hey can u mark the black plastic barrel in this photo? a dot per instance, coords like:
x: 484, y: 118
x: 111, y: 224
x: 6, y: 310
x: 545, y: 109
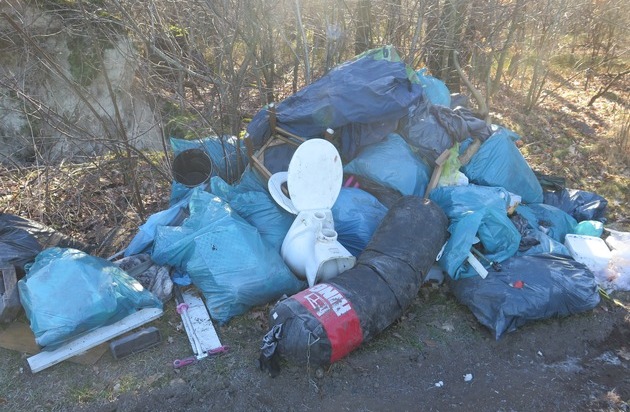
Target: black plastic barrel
x: 192, y: 167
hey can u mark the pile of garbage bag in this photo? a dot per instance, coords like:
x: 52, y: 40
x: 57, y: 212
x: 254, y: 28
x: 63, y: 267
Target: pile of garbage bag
x: 505, y: 242
x: 390, y: 125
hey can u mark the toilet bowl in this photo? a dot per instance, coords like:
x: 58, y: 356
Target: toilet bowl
x: 310, y: 248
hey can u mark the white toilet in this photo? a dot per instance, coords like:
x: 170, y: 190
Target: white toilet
x: 314, y: 178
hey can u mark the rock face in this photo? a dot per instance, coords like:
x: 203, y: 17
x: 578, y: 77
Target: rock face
x: 55, y: 100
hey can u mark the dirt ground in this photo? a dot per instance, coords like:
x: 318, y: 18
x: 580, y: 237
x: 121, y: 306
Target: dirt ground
x: 577, y: 363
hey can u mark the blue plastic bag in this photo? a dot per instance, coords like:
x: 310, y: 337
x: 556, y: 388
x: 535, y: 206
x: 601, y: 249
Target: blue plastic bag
x: 67, y: 292
x: 434, y: 89
x: 475, y: 213
x: 579, y: 204
x: 534, y: 241
x: 549, y: 219
x: 456, y: 201
x: 551, y: 286
x: 392, y: 164
x: 589, y: 228
x: 251, y: 200
x: 143, y: 239
x: 432, y: 129
x: 499, y: 163
x: 495, y: 231
x: 226, y: 258
x: 356, y: 214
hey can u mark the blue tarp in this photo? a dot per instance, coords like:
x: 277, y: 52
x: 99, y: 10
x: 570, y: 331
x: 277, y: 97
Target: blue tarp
x: 362, y: 100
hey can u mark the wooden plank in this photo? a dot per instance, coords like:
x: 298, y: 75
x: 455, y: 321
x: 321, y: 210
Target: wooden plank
x: 19, y: 337
x: 470, y: 152
x: 437, y: 172
x: 280, y: 131
x: 257, y: 164
x: 91, y: 339
x: 272, y: 117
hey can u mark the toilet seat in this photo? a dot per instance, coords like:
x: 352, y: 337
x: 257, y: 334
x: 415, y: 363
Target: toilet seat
x: 313, y: 180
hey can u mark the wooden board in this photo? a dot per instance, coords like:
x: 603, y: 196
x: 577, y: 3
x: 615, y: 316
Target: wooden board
x: 19, y: 337
x: 91, y: 339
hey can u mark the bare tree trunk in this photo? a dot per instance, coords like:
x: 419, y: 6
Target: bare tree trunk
x: 412, y: 58
x: 363, y: 33
x: 515, y: 21
x: 307, y: 65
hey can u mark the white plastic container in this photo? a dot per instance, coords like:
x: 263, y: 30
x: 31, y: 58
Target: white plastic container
x: 590, y: 250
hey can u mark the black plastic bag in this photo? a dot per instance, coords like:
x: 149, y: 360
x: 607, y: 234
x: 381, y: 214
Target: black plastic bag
x: 528, y: 288
x: 324, y: 323
x: 22, y: 239
x: 578, y: 203
x: 433, y: 129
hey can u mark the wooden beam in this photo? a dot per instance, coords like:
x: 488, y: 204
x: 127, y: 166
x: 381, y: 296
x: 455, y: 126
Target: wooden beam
x: 470, y: 152
x: 437, y: 171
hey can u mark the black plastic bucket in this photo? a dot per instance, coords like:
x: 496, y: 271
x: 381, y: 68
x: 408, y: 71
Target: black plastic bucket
x: 192, y: 167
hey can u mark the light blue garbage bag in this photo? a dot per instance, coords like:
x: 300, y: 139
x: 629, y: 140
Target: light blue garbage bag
x: 456, y: 201
x: 475, y: 212
x: 434, y: 89
x: 251, y: 200
x: 67, y: 292
x: 356, y: 214
x: 226, y: 258
x: 143, y: 239
x: 499, y: 163
x: 393, y: 164
x: 589, y: 228
x: 495, y: 231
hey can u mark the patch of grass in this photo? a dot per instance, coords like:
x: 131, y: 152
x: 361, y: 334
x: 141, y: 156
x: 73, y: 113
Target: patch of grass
x: 86, y: 394
x: 561, y: 153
